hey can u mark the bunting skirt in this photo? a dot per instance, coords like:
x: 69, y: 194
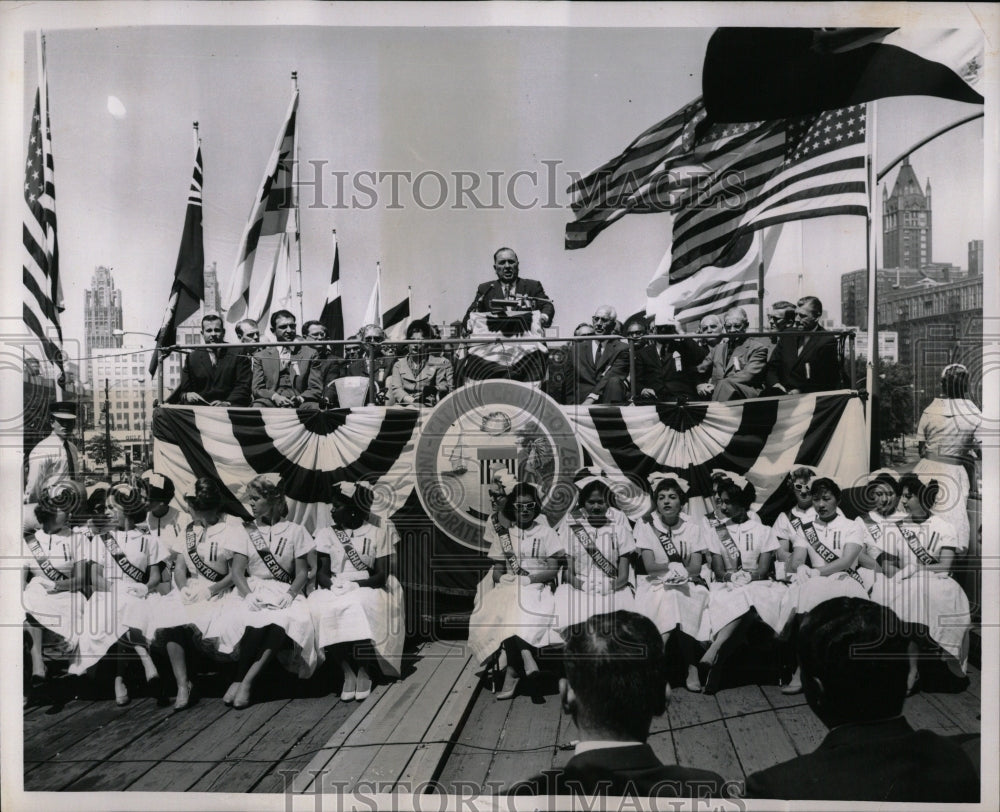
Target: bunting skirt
x: 376, y: 615
x: 506, y: 610
x: 727, y: 602
x: 672, y: 607
x: 803, y: 596
x: 105, y: 614
x: 61, y: 613
x: 302, y: 658
x: 936, y: 603
x: 574, y: 605
x: 205, y: 618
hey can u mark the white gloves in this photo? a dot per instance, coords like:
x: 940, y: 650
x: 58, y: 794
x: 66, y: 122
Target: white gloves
x: 196, y: 591
x: 254, y: 602
x: 508, y: 578
x: 342, y: 586
x: 803, y: 573
x: 137, y: 590
x: 740, y: 578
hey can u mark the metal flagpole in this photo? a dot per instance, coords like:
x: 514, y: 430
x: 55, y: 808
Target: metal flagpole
x: 871, y: 373
x: 760, y: 282
x: 295, y: 186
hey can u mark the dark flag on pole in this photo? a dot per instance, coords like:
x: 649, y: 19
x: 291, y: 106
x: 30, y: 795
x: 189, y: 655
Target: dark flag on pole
x: 397, y: 314
x: 333, y: 310
x: 188, y: 290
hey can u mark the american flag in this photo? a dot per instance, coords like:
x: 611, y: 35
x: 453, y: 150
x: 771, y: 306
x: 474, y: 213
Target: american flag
x: 43, y: 300
x: 766, y: 173
x: 273, y: 213
x: 636, y: 181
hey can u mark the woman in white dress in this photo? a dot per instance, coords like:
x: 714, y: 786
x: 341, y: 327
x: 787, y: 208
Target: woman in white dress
x: 357, y: 606
x: 800, y: 479
x: 164, y: 521
x: 269, y: 570
x: 125, y: 567
x: 673, y: 547
x: 598, y: 542
x: 53, y: 575
x: 946, y: 434
x: 516, y: 601
x: 922, y: 591
x: 824, y: 556
x: 882, y: 494
x: 188, y: 617
x: 743, y: 550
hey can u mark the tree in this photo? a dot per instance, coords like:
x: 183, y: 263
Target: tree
x: 96, y: 447
x: 895, y: 402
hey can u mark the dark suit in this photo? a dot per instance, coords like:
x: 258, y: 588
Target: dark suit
x: 322, y: 377
x: 267, y: 368
x: 680, y: 358
x: 488, y: 291
x: 604, y: 376
x: 648, y: 375
x: 816, y: 368
x: 884, y: 761
x: 737, y: 372
x: 633, y: 770
x: 227, y: 379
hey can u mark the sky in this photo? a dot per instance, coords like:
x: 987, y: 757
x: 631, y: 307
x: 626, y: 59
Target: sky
x: 527, y: 106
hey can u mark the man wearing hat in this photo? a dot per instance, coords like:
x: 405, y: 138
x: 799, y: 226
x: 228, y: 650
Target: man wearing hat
x: 55, y: 457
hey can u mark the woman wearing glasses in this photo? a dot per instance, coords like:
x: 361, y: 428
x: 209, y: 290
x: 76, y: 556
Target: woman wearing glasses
x: 516, y: 603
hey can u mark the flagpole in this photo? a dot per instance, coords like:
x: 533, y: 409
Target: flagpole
x: 871, y: 372
x: 760, y: 283
x: 295, y: 186
x: 378, y: 293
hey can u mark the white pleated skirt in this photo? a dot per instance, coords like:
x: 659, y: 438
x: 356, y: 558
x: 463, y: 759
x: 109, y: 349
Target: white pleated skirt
x: 506, y: 610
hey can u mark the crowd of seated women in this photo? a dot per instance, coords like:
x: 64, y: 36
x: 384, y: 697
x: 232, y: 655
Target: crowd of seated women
x: 706, y: 578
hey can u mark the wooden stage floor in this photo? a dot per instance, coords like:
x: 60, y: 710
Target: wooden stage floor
x: 437, y: 730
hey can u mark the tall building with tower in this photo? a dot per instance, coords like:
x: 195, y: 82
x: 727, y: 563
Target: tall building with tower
x: 213, y: 298
x: 975, y: 257
x: 906, y: 222
x: 102, y: 312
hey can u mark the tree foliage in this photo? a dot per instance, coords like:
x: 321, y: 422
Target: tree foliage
x: 895, y: 401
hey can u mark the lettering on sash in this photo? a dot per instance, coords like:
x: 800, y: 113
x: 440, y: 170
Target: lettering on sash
x: 507, y: 546
x: 257, y: 539
x: 595, y: 554
x: 43, y: 560
x: 350, y: 552
x: 873, y: 529
x: 913, y: 542
x: 727, y: 540
x: 812, y: 538
x: 199, y: 563
x: 666, y: 541
x: 126, y: 566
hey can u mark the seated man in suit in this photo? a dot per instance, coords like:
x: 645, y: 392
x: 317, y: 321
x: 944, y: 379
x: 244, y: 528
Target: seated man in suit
x: 615, y: 684
x: 602, y: 366
x: 780, y: 317
x: 649, y: 384
x: 679, y: 360
x: 854, y: 665
x: 281, y: 374
x: 803, y: 362
x: 737, y: 363
x: 509, y: 285
x: 213, y: 376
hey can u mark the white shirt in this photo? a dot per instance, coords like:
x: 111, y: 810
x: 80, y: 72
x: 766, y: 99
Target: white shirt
x: 688, y: 536
x: 141, y: 550
x: 286, y: 540
x: 835, y: 535
x: 60, y: 548
x: 531, y: 545
x: 614, y: 540
x: 369, y: 542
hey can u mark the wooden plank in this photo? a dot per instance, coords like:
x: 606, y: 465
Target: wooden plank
x: 742, y: 700
x: 59, y: 735
x: 964, y: 709
x: 215, y: 743
x: 386, y: 767
x: 529, y: 740
x: 922, y: 714
x: 663, y: 745
x: 145, y: 752
x: 428, y: 759
x: 304, y: 781
x: 686, y: 709
x: 415, y: 723
x: 760, y: 741
x: 709, y: 747
x: 472, y: 754
x: 567, y: 734
x: 803, y: 727
x: 261, y: 751
x: 279, y: 776
x: 350, y: 763
x: 777, y: 700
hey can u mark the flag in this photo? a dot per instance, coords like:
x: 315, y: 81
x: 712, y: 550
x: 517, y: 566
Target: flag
x: 250, y: 295
x: 43, y: 300
x: 495, y: 357
x: 188, y: 290
x: 394, y: 320
x: 752, y: 74
x: 333, y: 310
x: 373, y: 311
x: 625, y: 183
x: 766, y: 173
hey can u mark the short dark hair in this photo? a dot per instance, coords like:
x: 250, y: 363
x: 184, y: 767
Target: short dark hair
x: 521, y: 489
x: 213, y: 317
x: 419, y: 325
x: 615, y: 666
x: 207, y: 494
x: 742, y: 496
x: 813, y: 303
x: 955, y: 382
x: 672, y: 484
x: 824, y: 483
x: 310, y: 323
x: 787, y: 308
x: 281, y: 314
x: 926, y: 493
x: 504, y: 248
x: 856, y: 649
x: 597, y: 485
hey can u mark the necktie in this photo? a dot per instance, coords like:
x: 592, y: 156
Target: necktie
x: 598, y: 349
x: 70, y: 465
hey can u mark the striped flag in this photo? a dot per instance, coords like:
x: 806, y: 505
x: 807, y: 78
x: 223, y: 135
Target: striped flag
x: 640, y: 179
x: 248, y: 295
x: 767, y: 173
x: 333, y: 309
x: 43, y: 300
x: 394, y: 320
x: 188, y: 290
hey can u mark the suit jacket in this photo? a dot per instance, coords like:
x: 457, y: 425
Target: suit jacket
x: 633, y: 770
x: 267, y: 367
x: 815, y: 369
x: 885, y: 761
x: 488, y: 291
x: 595, y: 375
x: 649, y: 374
x: 436, y: 376
x: 742, y: 369
x: 680, y: 366
x: 227, y: 379
x: 322, y: 374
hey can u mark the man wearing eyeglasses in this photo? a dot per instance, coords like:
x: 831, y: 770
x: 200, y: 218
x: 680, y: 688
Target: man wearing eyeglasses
x: 511, y: 287
x: 737, y: 362
x: 602, y: 365
x: 213, y: 376
x: 780, y: 317
x: 803, y: 361
x: 281, y: 373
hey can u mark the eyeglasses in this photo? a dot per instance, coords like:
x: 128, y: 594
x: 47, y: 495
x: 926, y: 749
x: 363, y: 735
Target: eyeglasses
x: 251, y: 335
x: 601, y: 319
x: 374, y: 339
x: 524, y: 505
